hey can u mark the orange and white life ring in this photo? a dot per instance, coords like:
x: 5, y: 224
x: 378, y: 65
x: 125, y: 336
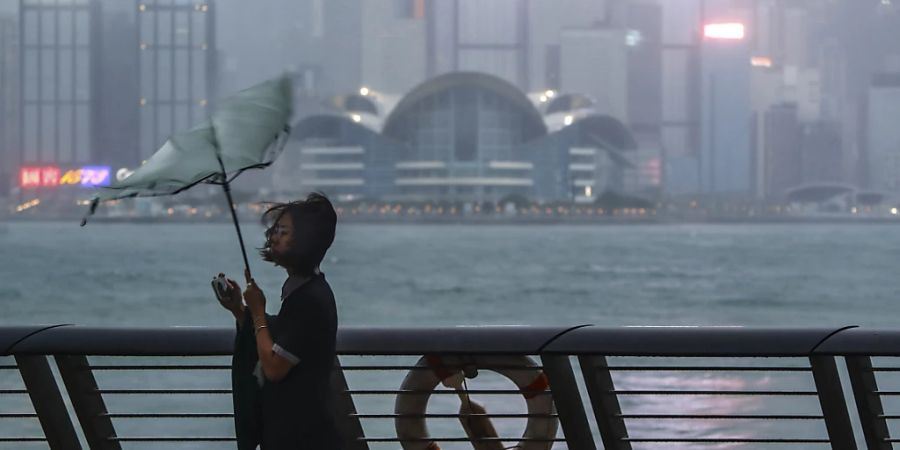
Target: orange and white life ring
x: 430, y: 370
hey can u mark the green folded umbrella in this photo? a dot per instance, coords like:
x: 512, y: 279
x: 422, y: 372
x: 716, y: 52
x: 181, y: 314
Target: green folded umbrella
x: 247, y: 131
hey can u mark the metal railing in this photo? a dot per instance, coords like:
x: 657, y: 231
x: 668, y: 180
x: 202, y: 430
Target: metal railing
x: 619, y: 388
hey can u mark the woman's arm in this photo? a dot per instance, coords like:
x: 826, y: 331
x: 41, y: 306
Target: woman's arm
x: 274, y: 366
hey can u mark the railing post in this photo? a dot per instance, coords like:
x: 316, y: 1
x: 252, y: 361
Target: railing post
x: 347, y: 422
x: 47, y: 401
x: 868, y: 402
x: 831, y: 398
x: 600, y: 389
x: 568, y: 402
x: 87, y: 402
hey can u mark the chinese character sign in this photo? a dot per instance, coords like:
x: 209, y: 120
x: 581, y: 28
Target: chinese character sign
x: 52, y: 176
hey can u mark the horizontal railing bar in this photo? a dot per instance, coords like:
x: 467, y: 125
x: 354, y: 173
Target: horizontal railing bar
x: 441, y: 392
x: 889, y: 393
x: 360, y: 368
x: 13, y: 391
x: 453, y: 416
x: 23, y: 439
x: 668, y: 392
x: 722, y: 416
x: 163, y: 391
x: 8, y: 367
x: 171, y: 438
x: 162, y: 367
x: 387, y: 367
x: 729, y: 440
x: 461, y: 439
x: 17, y: 415
x: 167, y: 415
x: 708, y: 369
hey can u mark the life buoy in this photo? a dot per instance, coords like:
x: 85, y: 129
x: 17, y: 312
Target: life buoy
x: 410, y: 408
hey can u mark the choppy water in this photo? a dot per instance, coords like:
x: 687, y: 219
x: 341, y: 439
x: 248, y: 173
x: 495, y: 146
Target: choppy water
x: 448, y: 275
x: 772, y: 275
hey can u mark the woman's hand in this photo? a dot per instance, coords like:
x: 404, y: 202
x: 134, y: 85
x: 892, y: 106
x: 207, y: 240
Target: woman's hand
x: 234, y: 296
x: 254, y: 297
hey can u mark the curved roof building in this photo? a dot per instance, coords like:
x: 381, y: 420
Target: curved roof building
x: 461, y: 136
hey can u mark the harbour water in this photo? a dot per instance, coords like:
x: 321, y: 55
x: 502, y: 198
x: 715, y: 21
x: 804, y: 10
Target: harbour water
x: 405, y: 275
x: 774, y: 275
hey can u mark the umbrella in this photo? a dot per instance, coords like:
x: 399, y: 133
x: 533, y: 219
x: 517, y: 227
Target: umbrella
x: 248, y: 130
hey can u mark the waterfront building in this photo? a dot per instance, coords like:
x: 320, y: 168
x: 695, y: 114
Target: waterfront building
x: 882, y: 135
x: 176, y: 61
x: 725, y: 162
x: 782, y: 144
x: 103, y: 84
x: 463, y: 136
x: 9, y: 102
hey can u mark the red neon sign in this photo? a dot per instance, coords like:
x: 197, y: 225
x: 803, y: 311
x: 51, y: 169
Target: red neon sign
x: 733, y: 31
x: 31, y: 177
x: 34, y: 177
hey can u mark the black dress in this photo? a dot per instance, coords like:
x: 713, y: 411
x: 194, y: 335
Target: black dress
x: 296, y: 412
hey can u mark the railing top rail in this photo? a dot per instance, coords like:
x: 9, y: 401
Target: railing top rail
x: 691, y: 341
x: 863, y: 341
x: 582, y: 340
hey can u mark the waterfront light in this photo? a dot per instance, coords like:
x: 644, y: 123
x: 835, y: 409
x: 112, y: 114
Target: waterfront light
x: 363, y: 91
x: 894, y: 211
x: 543, y: 98
x: 356, y: 117
x: 550, y: 93
x: 568, y: 120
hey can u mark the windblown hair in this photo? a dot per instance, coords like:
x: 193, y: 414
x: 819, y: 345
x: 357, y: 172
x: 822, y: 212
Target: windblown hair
x: 314, y: 223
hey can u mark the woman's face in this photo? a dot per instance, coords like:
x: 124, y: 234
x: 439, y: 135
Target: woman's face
x: 282, y: 236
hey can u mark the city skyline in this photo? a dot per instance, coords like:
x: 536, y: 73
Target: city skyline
x: 646, y: 63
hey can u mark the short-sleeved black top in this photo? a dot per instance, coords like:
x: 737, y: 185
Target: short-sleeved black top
x: 297, y: 411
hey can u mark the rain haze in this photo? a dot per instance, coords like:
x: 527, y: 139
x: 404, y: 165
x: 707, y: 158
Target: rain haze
x: 544, y: 163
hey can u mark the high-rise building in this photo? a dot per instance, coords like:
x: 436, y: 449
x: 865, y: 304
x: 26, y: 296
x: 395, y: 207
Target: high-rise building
x: 175, y: 65
x: 782, y: 143
x: 56, y: 65
x: 9, y: 101
x: 680, y: 130
x: 822, y: 155
x: 725, y: 158
x: 478, y: 36
x: 107, y: 81
x: 882, y: 135
x: 545, y: 33
x: 394, y: 45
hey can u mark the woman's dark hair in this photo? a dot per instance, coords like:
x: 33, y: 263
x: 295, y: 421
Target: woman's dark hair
x: 314, y: 222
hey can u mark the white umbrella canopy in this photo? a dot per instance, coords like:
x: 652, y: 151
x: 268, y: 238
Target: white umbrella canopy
x: 248, y: 130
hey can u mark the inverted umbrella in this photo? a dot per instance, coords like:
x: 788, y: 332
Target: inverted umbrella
x: 247, y: 131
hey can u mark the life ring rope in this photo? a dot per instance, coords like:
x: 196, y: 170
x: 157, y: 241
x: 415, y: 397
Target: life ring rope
x: 528, y: 377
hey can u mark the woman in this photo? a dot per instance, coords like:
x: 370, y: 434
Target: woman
x: 282, y: 364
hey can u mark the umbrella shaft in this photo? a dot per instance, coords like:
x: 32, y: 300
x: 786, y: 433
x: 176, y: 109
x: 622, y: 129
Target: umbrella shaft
x: 237, y: 226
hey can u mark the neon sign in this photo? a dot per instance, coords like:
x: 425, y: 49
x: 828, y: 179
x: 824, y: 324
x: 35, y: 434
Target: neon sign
x: 32, y: 177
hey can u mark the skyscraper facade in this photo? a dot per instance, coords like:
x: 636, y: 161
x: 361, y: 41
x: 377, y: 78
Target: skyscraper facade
x: 176, y: 60
x: 56, y: 65
x: 725, y: 161
x: 9, y: 101
x: 882, y: 135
